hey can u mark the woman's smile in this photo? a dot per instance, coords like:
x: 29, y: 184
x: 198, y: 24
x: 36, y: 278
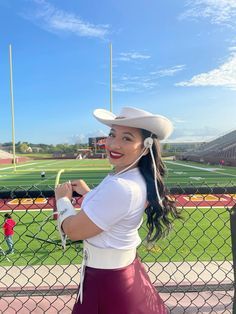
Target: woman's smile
x: 115, y: 155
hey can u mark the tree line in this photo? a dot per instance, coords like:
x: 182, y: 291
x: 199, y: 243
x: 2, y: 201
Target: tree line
x: 26, y: 147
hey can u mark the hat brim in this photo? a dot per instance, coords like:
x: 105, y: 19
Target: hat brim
x: 156, y: 124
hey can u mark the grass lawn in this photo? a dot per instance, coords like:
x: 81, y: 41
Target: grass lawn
x: 203, y: 235
x: 30, y: 251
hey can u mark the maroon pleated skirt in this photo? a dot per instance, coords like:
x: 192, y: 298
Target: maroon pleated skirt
x: 126, y: 290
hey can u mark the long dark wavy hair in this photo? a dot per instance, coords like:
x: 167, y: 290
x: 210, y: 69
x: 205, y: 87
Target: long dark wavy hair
x: 159, y: 216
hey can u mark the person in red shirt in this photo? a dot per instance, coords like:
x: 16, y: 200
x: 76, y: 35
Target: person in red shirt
x: 8, y: 226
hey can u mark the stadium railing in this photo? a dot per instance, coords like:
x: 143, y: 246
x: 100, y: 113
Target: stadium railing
x: 192, y: 267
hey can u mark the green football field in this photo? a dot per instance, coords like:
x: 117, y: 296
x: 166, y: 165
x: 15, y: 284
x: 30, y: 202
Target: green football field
x: 92, y: 171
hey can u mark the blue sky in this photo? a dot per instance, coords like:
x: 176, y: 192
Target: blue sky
x: 175, y: 58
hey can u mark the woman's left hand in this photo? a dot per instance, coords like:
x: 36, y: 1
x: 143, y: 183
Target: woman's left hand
x: 63, y: 190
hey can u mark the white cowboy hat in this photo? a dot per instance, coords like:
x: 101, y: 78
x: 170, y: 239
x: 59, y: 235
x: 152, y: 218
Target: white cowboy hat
x: 137, y: 118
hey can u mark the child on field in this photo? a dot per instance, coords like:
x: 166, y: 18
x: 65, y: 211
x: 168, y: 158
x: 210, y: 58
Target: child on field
x: 8, y: 226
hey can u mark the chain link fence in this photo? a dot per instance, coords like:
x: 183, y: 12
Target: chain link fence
x: 192, y: 268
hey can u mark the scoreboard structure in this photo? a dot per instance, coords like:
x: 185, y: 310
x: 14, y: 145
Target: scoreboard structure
x: 97, y: 143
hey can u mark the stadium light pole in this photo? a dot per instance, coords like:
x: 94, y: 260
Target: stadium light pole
x: 12, y: 109
x: 110, y: 77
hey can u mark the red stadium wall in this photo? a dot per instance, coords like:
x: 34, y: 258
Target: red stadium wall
x: 10, y: 160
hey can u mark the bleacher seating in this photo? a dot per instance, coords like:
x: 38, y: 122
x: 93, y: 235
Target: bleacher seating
x: 4, y: 155
x: 222, y: 142
x: 222, y: 148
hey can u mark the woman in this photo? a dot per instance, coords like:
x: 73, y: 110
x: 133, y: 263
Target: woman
x: 113, y: 280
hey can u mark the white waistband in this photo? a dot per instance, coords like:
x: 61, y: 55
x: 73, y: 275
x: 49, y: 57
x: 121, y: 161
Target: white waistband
x: 107, y: 258
x: 101, y: 258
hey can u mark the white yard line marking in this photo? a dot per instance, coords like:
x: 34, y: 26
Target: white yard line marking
x: 18, y: 166
x: 38, y: 165
x: 201, y: 168
x: 47, y: 164
x: 196, y: 178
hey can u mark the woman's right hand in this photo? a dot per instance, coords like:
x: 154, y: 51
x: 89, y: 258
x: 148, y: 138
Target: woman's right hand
x: 63, y: 190
x: 80, y: 187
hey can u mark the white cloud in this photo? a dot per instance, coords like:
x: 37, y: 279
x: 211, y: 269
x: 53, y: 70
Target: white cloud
x: 169, y: 71
x: 203, y: 134
x: 129, y: 56
x: 224, y: 75
x: 122, y: 88
x: 141, y: 83
x: 77, y: 139
x: 55, y: 20
x: 194, y: 139
x: 96, y: 133
x: 83, y: 138
x: 128, y: 83
x: 178, y: 120
x: 217, y: 11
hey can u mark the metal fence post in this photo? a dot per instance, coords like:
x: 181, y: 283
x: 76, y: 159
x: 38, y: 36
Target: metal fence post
x: 55, y: 215
x: 233, y: 239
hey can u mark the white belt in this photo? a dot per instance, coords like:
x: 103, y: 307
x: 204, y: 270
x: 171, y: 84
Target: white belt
x: 101, y: 258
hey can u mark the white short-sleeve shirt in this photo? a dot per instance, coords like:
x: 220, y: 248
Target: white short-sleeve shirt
x: 116, y: 206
